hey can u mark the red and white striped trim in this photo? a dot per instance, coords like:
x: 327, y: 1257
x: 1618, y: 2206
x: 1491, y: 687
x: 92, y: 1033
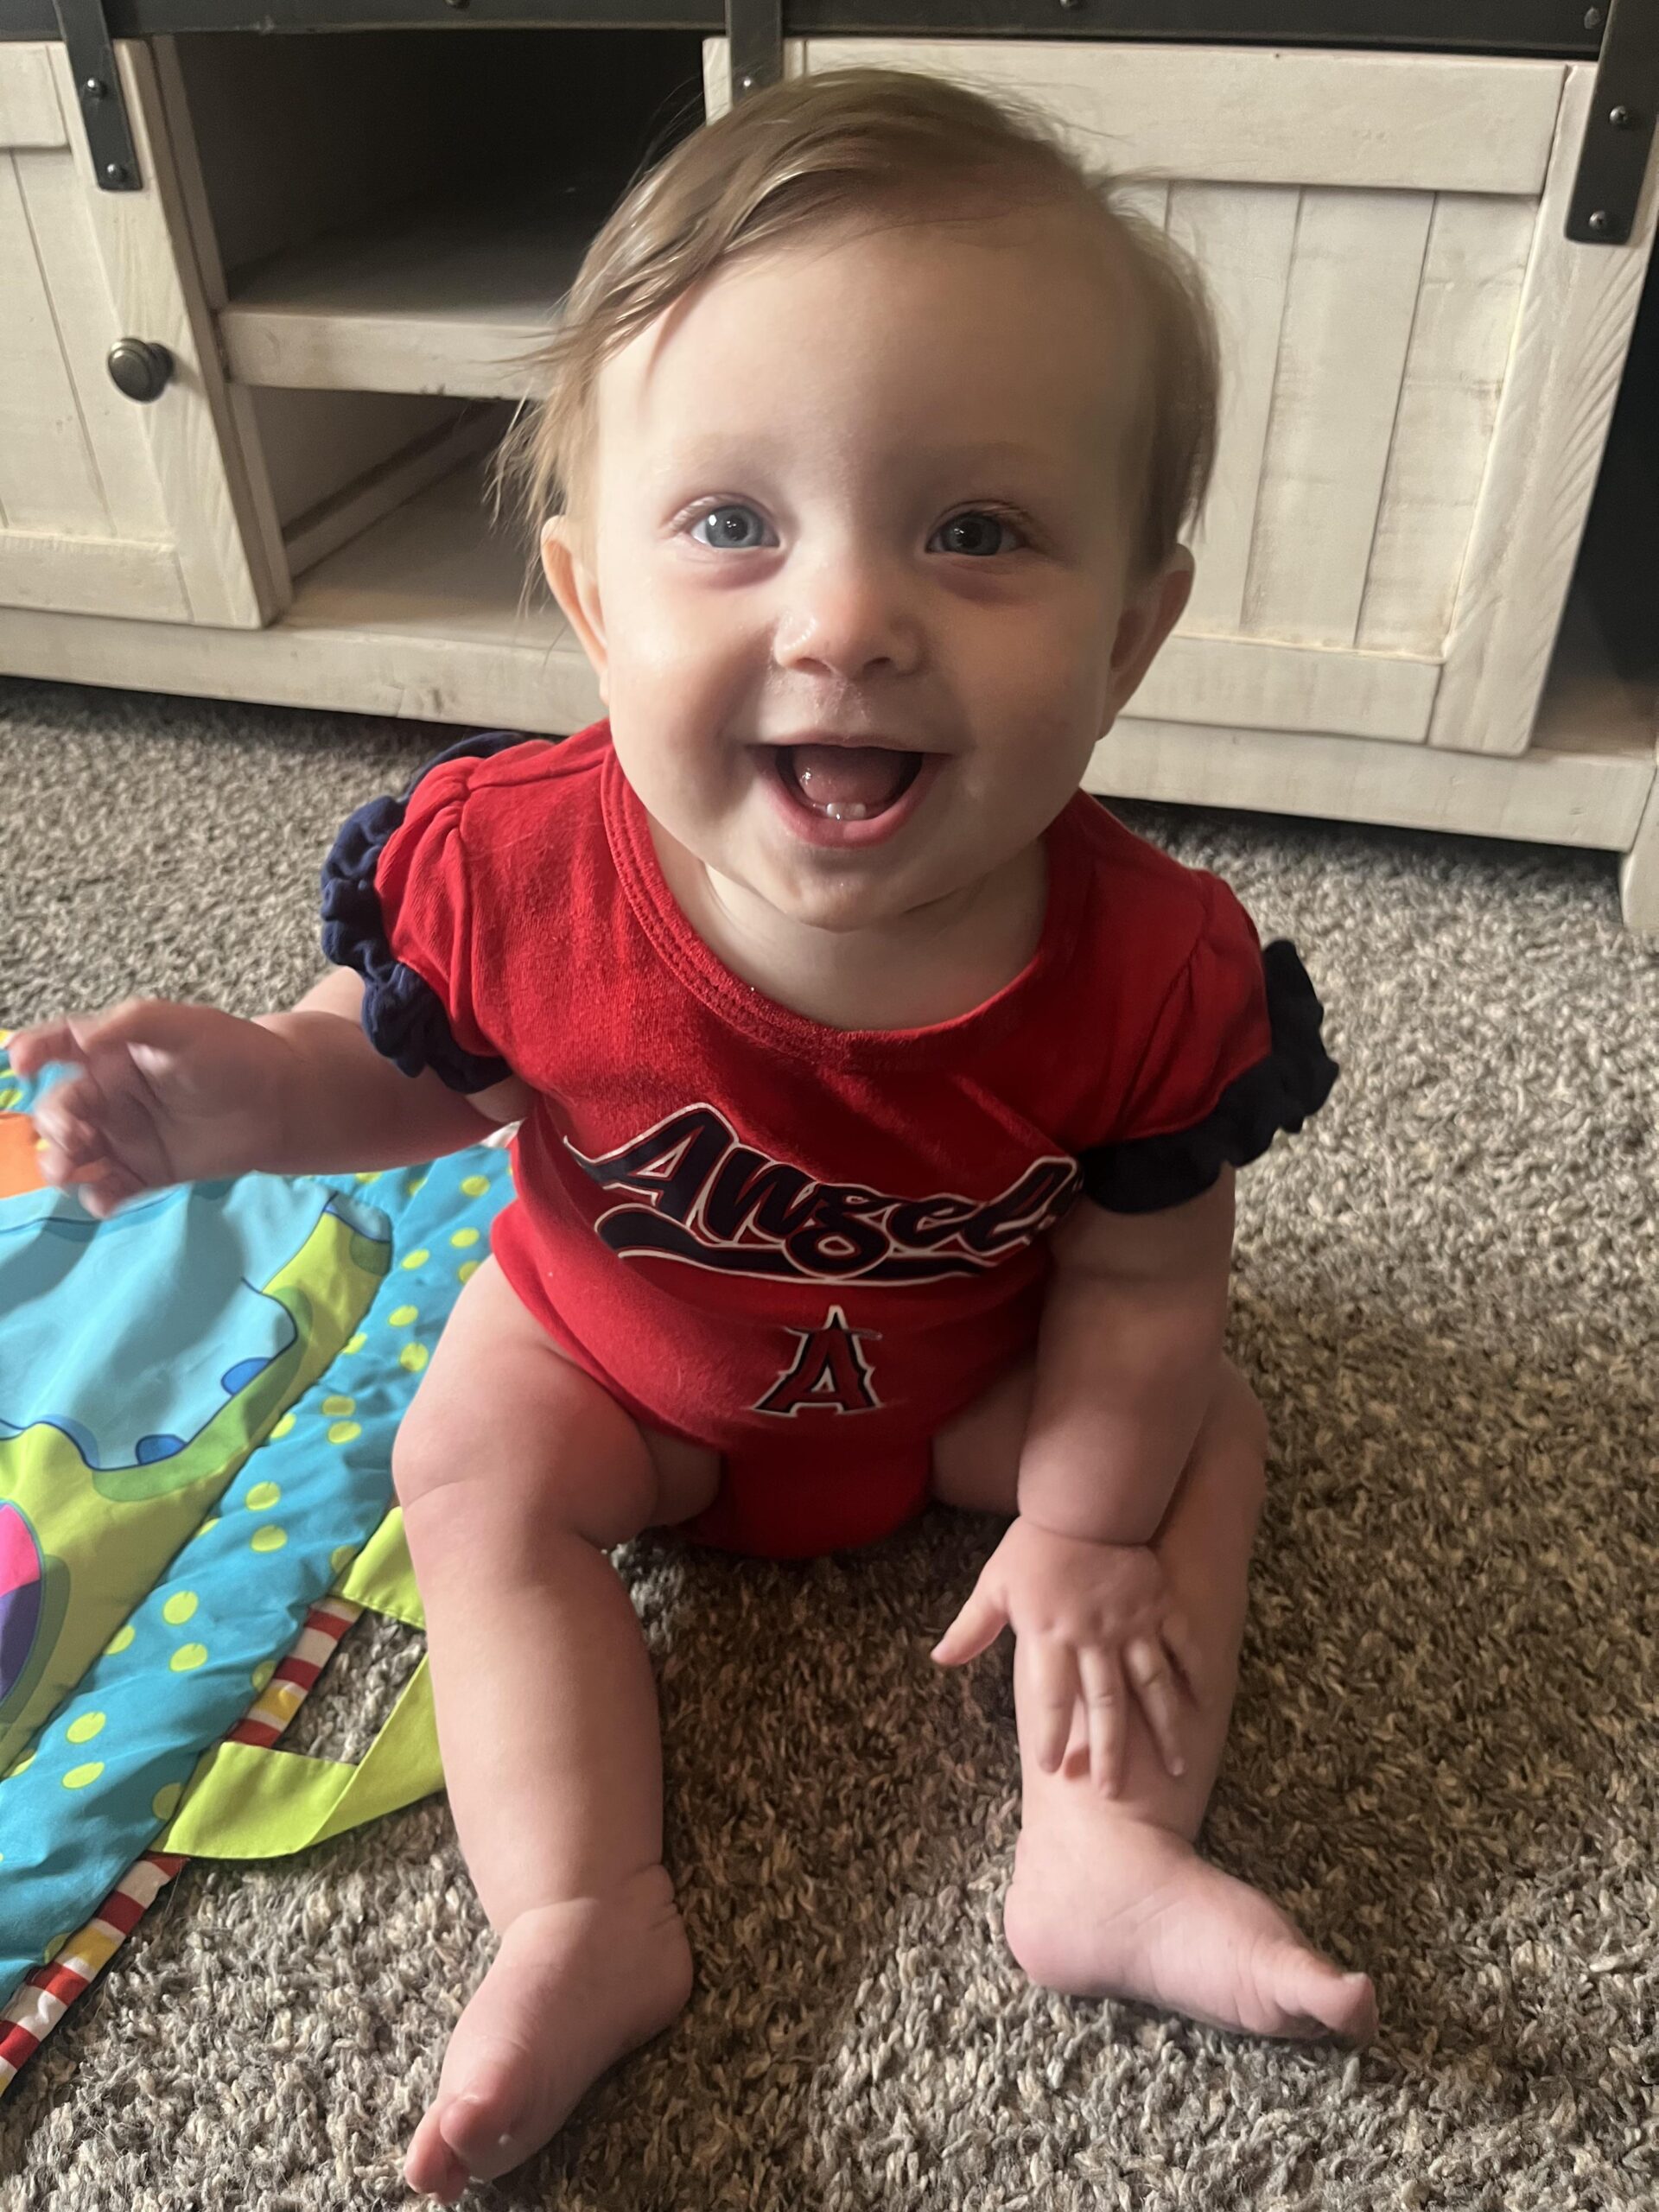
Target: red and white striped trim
x: 46, y: 1993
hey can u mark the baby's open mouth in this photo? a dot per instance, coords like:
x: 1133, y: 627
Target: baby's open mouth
x: 849, y: 783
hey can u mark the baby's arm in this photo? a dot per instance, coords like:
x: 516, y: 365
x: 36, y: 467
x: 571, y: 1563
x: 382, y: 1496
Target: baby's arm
x: 170, y: 1093
x: 1128, y: 1357
x: 344, y: 1106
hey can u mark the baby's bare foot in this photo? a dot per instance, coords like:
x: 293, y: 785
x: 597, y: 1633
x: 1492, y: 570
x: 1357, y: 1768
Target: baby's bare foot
x: 573, y: 1988
x: 1109, y: 1906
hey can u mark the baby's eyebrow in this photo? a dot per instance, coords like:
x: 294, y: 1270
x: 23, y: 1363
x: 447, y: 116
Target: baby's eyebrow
x: 732, y: 453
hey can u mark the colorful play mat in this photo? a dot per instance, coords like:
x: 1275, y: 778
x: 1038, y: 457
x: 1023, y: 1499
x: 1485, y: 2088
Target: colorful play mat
x: 198, y: 1399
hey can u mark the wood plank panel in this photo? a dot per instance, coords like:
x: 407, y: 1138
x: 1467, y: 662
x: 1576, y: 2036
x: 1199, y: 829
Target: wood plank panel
x: 1572, y: 335
x: 144, y: 246
x: 1257, y: 115
x: 1593, y: 799
x: 1355, y: 269
x: 111, y: 425
x: 47, y: 478
x: 30, y: 112
x: 88, y: 575
x: 1256, y: 684
x: 1461, y: 334
x: 1241, y: 236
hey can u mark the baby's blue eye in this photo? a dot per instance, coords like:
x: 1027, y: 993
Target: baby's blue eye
x: 973, y: 525
x: 730, y: 528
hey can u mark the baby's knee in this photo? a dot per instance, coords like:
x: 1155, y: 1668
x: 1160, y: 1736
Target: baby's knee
x: 428, y: 1455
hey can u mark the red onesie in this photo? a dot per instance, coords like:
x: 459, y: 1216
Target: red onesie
x: 806, y: 1246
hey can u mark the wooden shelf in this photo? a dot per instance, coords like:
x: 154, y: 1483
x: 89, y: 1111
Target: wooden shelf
x: 437, y: 298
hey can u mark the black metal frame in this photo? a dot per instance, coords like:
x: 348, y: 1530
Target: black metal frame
x: 1618, y: 135
x: 1624, y: 34
x: 109, y: 135
x: 1566, y: 27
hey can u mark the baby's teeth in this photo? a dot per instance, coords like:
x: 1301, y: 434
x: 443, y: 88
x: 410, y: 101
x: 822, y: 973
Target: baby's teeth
x: 847, y: 809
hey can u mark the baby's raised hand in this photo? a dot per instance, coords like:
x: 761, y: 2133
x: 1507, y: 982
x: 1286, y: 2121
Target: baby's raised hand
x: 1091, y: 1612
x: 166, y: 1093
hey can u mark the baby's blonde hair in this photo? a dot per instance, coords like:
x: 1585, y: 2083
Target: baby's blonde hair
x: 805, y: 155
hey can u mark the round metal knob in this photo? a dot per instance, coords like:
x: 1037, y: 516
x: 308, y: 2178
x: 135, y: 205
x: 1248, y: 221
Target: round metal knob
x: 140, y: 367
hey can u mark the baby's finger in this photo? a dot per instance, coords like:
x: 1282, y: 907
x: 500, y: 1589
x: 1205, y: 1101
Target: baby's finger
x: 1184, y: 1650
x: 30, y: 1049
x: 61, y: 1114
x: 1054, y: 1697
x: 1105, y: 1705
x: 1149, y: 1670
x: 104, y: 1186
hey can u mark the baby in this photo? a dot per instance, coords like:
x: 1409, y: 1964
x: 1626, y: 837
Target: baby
x: 878, y: 1094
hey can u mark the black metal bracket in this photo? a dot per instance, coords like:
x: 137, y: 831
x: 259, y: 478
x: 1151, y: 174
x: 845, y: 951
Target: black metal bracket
x: 1618, y: 134
x: 754, y: 33
x: 85, y: 38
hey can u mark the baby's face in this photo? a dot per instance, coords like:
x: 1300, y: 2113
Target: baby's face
x: 867, y: 492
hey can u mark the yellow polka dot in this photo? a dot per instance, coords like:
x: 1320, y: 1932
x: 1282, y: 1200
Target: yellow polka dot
x: 355, y: 1344
x: 343, y: 1431
x: 417, y: 1258
x: 464, y: 1236
x: 263, y: 1673
x: 414, y: 1358
x: 207, y: 1526
x: 370, y: 1175
x: 120, y: 1640
x: 179, y: 1608
x: 262, y: 1496
x: 20, y: 1765
x: 79, y: 1777
x: 341, y: 1557
x: 165, y: 1802
x: 401, y: 1316
x: 475, y: 1185
x: 415, y: 1188
x: 268, y: 1540
x: 187, y: 1657
x: 84, y: 1730
x: 467, y: 1270
x: 282, y: 1426
x: 340, y: 1405
x: 9, y: 1097
x: 49, y: 1951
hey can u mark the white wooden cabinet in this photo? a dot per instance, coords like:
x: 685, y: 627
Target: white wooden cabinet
x: 108, y: 505
x: 1420, y: 370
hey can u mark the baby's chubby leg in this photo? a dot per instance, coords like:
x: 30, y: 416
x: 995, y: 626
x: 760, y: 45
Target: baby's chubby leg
x: 516, y: 1472
x: 1109, y: 1897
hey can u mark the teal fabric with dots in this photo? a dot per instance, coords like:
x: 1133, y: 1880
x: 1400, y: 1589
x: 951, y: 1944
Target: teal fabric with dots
x: 198, y: 1399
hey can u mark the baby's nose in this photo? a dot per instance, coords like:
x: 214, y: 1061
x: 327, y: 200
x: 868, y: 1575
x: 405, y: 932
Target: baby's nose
x: 847, y: 617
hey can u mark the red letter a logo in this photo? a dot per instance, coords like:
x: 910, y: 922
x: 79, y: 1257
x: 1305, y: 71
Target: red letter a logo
x: 829, y: 1370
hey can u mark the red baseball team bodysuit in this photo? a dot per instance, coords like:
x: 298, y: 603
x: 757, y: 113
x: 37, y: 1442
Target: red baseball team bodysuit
x: 806, y: 1246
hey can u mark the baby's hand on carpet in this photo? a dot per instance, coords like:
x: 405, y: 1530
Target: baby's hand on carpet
x: 1091, y: 1611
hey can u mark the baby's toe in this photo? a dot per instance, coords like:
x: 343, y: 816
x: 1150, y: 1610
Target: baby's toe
x: 432, y: 2166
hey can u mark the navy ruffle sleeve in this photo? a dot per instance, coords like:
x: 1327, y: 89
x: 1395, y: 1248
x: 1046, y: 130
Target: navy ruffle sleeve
x: 1237, y: 1056
x: 416, y: 997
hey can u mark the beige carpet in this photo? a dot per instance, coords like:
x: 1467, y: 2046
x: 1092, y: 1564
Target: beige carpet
x: 1444, y: 1757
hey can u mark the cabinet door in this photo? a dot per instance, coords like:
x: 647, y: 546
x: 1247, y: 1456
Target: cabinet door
x: 108, y: 505
x: 1419, y: 368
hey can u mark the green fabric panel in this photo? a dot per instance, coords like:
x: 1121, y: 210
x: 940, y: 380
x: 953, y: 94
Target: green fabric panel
x: 247, y: 1803
x: 381, y: 1576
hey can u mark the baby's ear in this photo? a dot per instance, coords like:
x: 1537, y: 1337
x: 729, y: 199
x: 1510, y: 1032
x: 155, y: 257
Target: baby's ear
x: 576, y: 591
